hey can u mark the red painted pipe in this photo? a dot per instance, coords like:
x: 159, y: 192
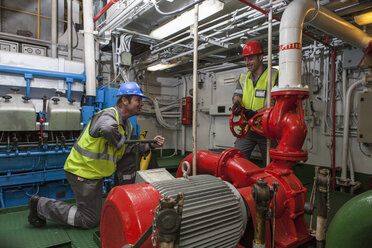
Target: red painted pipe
x: 230, y: 165
x: 333, y: 88
x: 107, y: 6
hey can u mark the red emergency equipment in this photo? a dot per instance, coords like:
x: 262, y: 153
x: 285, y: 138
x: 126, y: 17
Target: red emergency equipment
x: 186, y: 110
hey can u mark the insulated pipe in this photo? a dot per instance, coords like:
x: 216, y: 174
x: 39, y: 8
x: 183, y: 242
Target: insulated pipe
x: 195, y: 90
x: 290, y: 38
x: 54, y: 29
x: 351, y: 225
x: 69, y: 29
x: 89, y: 58
x: 345, y: 140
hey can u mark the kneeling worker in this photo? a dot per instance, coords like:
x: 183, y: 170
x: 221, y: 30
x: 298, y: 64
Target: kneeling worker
x: 92, y: 158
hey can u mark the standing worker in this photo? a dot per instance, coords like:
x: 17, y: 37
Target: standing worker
x: 92, y: 158
x: 250, y: 93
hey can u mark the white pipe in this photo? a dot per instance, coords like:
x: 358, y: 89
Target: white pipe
x: 89, y: 48
x: 345, y: 141
x: 54, y: 29
x: 69, y: 29
x: 269, y: 69
x: 290, y: 38
x: 344, y: 85
x: 195, y: 90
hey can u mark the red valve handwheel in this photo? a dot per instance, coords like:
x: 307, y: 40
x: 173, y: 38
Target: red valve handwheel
x: 257, y: 124
x: 242, y: 122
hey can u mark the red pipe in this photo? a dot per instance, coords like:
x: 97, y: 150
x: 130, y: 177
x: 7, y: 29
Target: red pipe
x: 107, y: 6
x: 333, y: 88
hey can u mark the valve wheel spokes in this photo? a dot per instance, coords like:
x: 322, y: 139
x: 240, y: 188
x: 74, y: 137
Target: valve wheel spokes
x: 256, y: 123
x: 241, y: 123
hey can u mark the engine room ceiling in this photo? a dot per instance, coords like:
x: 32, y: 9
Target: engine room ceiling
x: 220, y: 36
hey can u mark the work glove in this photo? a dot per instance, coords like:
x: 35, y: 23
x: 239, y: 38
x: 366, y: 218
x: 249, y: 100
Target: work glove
x: 236, y: 108
x: 249, y: 113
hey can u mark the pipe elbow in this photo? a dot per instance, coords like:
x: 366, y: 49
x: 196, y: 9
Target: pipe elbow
x: 293, y: 133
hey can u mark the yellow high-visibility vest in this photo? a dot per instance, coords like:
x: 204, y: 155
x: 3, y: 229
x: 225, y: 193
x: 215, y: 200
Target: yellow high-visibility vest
x: 94, y: 158
x: 254, y: 97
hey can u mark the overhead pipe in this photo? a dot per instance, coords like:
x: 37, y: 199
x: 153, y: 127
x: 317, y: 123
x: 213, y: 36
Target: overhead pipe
x: 246, y: 14
x: 107, y: 6
x: 250, y: 14
x: 89, y: 48
x: 203, y: 46
x: 116, y: 20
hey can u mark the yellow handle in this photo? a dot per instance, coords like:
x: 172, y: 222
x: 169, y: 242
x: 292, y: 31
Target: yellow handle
x: 144, y: 164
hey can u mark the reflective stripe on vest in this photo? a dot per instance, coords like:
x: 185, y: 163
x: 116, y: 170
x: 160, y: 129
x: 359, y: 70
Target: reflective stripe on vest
x: 254, y: 97
x: 95, y: 158
x: 94, y: 155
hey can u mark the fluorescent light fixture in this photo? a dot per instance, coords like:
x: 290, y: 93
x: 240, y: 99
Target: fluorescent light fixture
x: 161, y: 66
x: 363, y: 19
x: 206, y: 9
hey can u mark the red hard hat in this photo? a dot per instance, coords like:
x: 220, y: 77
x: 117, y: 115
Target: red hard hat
x: 252, y: 47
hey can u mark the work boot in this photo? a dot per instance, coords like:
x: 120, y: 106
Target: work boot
x: 33, y: 217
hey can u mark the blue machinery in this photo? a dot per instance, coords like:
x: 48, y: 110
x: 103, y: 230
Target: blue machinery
x: 34, y: 146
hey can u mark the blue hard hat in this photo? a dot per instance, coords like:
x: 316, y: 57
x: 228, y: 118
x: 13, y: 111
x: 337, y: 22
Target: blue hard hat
x: 130, y: 88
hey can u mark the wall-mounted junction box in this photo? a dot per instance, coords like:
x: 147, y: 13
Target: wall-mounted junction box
x: 220, y: 109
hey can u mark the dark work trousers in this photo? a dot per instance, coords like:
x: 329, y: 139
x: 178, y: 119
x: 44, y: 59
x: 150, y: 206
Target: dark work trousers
x: 86, y: 213
x: 125, y: 170
x: 248, y: 143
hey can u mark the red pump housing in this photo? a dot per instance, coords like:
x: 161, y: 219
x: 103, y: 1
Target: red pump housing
x: 285, y: 123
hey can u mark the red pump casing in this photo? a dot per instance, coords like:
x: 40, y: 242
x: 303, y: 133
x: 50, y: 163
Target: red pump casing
x: 284, y: 122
